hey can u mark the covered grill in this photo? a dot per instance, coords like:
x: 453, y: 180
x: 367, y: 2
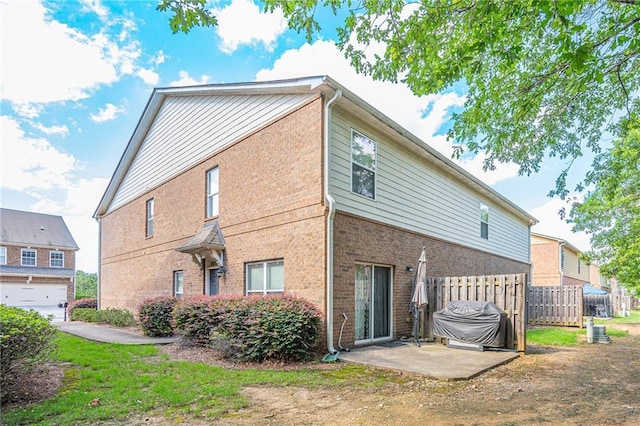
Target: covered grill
x: 475, y: 324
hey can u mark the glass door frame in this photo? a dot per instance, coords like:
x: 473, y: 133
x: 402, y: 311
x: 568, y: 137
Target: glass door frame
x: 372, y: 315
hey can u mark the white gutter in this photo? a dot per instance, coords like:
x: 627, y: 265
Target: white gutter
x: 98, y: 295
x: 331, y: 204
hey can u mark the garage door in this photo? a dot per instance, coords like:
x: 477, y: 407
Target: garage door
x: 32, y: 294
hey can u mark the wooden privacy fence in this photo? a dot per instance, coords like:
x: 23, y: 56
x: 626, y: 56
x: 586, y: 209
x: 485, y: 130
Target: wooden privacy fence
x: 555, y: 305
x: 628, y: 302
x: 507, y: 292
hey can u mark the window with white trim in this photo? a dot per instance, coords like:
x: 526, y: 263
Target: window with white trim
x: 178, y: 284
x: 484, y: 221
x: 56, y: 259
x: 149, y: 218
x: 213, y: 189
x: 27, y: 257
x: 265, y: 277
x: 363, y: 165
x: 3, y: 255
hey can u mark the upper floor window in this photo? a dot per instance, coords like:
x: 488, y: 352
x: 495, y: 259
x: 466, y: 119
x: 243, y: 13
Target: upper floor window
x: 149, y: 218
x: 56, y: 259
x: 363, y: 165
x: 265, y: 277
x: 484, y: 221
x: 213, y: 189
x: 28, y: 257
x: 3, y: 255
x: 178, y: 284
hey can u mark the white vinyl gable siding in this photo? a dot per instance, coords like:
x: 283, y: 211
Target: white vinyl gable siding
x: 570, y: 268
x: 413, y: 194
x: 189, y: 129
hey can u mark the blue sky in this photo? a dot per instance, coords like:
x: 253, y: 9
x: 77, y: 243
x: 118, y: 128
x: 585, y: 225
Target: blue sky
x: 76, y: 76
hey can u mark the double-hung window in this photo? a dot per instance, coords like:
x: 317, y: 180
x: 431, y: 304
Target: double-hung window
x: 56, y: 259
x: 149, y: 218
x: 265, y: 277
x: 213, y: 189
x: 27, y: 257
x: 484, y: 221
x: 178, y: 284
x: 363, y: 165
x: 3, y: 255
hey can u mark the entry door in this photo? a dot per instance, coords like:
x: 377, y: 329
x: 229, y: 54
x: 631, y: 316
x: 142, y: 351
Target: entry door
x: 212, y: 286
x: 373, y: 302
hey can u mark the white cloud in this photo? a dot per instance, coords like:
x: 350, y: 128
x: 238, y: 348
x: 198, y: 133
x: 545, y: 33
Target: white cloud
x: 96, y: 7
x: 242, y: 23
x: 32, y: 164
x: 52, y: 130
x: 41, y: 61
x: 552, y: 225
x: 186, y: 80
x: 150, y: 77
x: 108, y: 113
x: 423, y: 116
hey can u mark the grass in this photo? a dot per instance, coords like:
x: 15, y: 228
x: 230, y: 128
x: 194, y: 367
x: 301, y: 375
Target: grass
x: 571, y: 336
x: 132, y: 380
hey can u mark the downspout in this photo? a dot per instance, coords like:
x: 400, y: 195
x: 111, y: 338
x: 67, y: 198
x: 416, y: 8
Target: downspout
x: 560, y: 261
x: 332, y: 209
x: 99, y: 298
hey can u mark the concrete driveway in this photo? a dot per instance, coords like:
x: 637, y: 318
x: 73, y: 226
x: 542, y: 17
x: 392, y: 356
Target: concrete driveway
x: 57, y: 313
x: 432, y: 360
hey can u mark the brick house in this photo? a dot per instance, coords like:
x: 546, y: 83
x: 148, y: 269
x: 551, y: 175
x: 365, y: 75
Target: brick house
x: 295, y: 186
x: 556, y: 262
x: 37, y: 259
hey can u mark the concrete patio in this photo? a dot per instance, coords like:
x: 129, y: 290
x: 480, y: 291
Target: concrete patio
x: 432, y: 360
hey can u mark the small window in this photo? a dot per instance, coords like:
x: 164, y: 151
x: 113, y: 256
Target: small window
x: 178, y: 284
x: 150, y: 216
x: 484, y: 221
x: 3, y: 255
x: 56, y: 259
x: 265, y: 277
x: 562, y: 258
x: 363, y: 165
x: 213, y: 189
x: 28, y: 257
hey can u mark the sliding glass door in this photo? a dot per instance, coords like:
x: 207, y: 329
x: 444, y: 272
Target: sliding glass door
x: 373, y: 302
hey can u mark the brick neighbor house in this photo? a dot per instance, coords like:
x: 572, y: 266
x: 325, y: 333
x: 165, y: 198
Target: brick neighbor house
x: 556, y: 262
x: 37, y: 259
x: 294, y: 186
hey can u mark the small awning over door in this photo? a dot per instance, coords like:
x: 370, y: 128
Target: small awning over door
x: 208, y: 243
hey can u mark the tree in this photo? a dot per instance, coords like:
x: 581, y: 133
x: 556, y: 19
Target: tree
x: 611, y: 212
x: 86, y: 285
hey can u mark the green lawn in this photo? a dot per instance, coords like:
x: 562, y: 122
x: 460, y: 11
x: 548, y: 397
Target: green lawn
x: 571, y: 336
x: 138, y: 380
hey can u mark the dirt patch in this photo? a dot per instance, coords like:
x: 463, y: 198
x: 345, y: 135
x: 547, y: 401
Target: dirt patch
x: 588, y: 384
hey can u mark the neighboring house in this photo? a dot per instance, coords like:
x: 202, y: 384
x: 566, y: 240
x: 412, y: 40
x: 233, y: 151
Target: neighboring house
x: 597, y: 280
x: 556, y: 262
x: 37, y: 259
x: 300, y: 187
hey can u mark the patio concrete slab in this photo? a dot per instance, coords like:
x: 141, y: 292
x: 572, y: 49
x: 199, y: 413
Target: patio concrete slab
x: 432, y: 360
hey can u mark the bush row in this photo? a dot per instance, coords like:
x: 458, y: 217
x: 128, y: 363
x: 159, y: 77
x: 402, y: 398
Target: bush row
x: 26, y: 339
x: 113, y: 316
x: 255, y: 328
x: 87, y: 302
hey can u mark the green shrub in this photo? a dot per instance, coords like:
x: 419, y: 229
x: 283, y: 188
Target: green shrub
x: 113, y: 316
x: 88, y: 302
x: 156, y: 316
x: 256, y: 328
x: 26, y: 339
